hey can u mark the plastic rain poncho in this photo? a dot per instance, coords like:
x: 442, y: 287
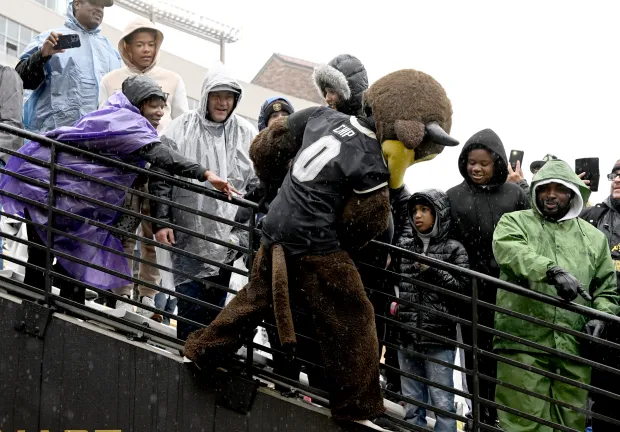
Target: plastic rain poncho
x: 222, y: 148
x: 117, y: 130
x: 71, y: 86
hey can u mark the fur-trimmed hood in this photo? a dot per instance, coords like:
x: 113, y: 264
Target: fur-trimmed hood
x: 347, y: 76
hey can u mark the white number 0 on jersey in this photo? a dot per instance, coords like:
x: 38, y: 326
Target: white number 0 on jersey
x: 314, y: 157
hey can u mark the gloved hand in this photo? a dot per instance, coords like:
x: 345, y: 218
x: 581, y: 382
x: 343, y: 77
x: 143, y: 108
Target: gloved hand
x: 567, y: 285
x: 594, y: 328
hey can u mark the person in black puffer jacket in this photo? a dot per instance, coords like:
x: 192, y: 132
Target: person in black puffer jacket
x: 477, y: 205
x: 429, y: 212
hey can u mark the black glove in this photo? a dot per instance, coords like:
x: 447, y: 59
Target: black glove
x: 565, y: 283
x: 594, y: 328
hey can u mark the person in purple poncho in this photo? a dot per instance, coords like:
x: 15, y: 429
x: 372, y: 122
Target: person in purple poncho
x: 123, y: 129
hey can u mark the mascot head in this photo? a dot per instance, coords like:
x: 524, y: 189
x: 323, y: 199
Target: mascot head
x: 413, y: 116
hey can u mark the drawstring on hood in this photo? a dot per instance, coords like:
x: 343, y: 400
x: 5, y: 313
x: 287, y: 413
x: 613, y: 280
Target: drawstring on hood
x: 135, y: 25
x: 490, y: 141
x: 558, y: 171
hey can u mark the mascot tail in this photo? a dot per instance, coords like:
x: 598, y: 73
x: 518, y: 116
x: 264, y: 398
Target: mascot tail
x: 281, y: 302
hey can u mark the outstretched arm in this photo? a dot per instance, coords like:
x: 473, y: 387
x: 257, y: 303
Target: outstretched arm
x: 274, y: 147
x: 365, y: 216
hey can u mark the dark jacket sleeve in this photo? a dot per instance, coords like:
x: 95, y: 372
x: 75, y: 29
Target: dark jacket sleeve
x: 444, y: 278
x: 256, y: 194
x: 402, y: 226
x: 170, y: 161
x: 160, y: 188
x: 524, y: 186
x: 31, y: 70
x: 11, y: 107
x: 165, y: 160
x: 523, y: 200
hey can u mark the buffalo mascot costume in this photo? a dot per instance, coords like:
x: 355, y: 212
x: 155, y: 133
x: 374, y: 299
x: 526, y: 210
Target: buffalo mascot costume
x: 331, y: 172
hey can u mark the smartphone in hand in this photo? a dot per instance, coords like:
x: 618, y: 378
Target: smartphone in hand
x: 68, y: 41
x: 516, y: 155
x: 590, y: 167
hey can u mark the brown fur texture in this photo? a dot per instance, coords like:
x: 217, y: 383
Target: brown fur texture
x: 364, y: 218
x: 272, y: 151
x: 281, y: 301
x: 413, y: 97
x: 344, y: 322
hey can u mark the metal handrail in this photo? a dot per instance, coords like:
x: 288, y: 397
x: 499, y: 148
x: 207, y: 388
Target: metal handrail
x: 473, y: 301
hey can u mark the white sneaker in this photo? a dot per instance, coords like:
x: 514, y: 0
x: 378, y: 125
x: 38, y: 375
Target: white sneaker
x: 148, y: 301
x: 122, y: 305
x: 369, y: 424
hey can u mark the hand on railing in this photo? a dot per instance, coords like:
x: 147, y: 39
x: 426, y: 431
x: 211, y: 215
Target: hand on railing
x: 220, y: 184
x: 165, y: 236
x: 594, y: 328
x: 567, y: 285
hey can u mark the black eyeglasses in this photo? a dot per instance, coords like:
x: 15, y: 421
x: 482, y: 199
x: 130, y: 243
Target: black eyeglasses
x: 612, y: 176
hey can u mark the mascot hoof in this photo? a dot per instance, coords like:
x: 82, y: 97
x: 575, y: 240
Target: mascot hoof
x: 196, y: 346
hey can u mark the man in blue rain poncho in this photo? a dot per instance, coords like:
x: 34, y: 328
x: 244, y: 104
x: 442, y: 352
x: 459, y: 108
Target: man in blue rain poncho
x: 66, y: 82
x: 214, y: 135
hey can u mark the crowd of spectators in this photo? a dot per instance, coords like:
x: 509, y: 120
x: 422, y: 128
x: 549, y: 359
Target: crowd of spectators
x: 540, y: 235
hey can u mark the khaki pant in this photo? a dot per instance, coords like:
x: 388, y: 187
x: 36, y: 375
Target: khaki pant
x: 147, y: 252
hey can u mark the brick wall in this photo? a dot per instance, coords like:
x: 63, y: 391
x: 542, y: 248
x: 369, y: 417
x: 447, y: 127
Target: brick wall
x: 290, y: 79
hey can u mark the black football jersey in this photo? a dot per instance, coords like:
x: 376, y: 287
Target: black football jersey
x: 338, y: 157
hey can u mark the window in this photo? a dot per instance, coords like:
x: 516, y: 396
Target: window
x: 11, y: 49
x: 13, y: 30
x: 14, y: 37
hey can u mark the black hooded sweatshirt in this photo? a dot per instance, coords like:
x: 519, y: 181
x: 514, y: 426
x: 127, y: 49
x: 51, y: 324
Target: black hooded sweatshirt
x: 476, y: 210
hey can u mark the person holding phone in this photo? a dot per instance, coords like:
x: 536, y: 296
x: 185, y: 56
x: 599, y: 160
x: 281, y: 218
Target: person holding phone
x: 66, y: 81
x: 477, y: 205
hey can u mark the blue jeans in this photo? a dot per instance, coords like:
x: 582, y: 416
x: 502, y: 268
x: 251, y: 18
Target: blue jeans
x: 197, y: 312
x: 167, y: 304
x: 421, y: 392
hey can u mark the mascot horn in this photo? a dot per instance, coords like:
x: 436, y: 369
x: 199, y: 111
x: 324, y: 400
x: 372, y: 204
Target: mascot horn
x: 329, y: 174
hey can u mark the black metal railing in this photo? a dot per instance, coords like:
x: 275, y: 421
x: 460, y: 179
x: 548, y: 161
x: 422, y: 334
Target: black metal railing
x: 473, y: 303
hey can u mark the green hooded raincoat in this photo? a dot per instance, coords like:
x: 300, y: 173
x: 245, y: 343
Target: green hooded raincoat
x: 526, y: 244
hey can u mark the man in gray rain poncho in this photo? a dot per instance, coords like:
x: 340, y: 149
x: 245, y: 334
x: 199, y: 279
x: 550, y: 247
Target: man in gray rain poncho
x: 214, y: 135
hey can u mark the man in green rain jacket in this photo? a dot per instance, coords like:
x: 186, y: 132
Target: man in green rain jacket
x: 549, y: 250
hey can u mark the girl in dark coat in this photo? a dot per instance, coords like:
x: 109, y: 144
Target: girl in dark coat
x: 477, y: 206
x: 429, y: 213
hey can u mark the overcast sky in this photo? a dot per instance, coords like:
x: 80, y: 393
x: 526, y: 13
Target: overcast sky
x: 544, y: 75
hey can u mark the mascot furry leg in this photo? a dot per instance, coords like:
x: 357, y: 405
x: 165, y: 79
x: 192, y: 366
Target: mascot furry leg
x: 342, y: 314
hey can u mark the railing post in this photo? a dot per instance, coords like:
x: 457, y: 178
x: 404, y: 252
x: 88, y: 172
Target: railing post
x: 250, y: 345
x: 475, y: 404
x: 51, y: 203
